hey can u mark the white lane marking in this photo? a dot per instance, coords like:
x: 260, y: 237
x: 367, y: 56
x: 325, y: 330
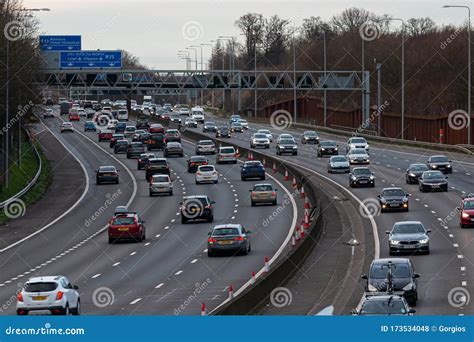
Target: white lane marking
x: 172, y: 221
x: 116, y: 264
x: 146, y: 244
x: 460, y: 256
x: 205, y: 251
x: 194, y: 261
x: 135, y: 301
x: 133, y: 253
x: 159, y: 285
x: 179, y: 272
x: 455, y: 245
x: 464, y: 283
x: 96, y: 275
x: 157, y: 235
x: 433, y: 212
x: 463, y: 268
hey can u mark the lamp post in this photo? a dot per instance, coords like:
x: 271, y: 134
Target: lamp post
x: 195, y: 55
x: 212, y: 68
x: 200, y: 48
x: 468, y: 68
x: 325, y: 68
x: 230, y: 39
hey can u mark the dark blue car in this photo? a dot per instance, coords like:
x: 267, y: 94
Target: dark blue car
x: 120, y: 127
x: 89, y: 126
x: 252, y: 169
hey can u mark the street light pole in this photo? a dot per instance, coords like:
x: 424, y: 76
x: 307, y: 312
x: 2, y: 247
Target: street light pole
x: 468, y: 69
x: 325, y: 69
x: 212, y: 68
x: 195, y: 56
x: 378, y: 67
x: 200, y: 48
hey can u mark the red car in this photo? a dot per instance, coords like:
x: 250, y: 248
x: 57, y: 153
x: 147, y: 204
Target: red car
x: 156, y: 128
x: 126, y: 226
x: 466, y: 212
x: 74, y: 117
x: 105, y: 135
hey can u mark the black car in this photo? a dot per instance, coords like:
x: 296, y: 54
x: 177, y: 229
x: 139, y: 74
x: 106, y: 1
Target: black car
x: 120, y: 127
x: 223, y: 132
x: 287, y: 146
x: 121, y: 146
x: 135, y: 149
x: 194, y: 162
x: 143, y: 160
x: 361, y: 176
x: 173, y: 149
x: 142, y: 123
x: 143, y: 137
x: 156, y: 141
x: 115, y: 138
x: 310, y: 137
x: 433, y: 181
x: 414, y: 171
x: 402, y: 275
x: 209, y: 127
x: 327, y: 148
x: 107, y: 174
x: 383, y: 304
x: 156, y: 166
x: 440, y: 163
x: 393, y: 199
x: 198, y: 207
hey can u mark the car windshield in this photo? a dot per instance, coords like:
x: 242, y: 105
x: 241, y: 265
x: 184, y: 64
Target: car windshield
x: 157, y: 162
x: 191, y: 202
x: 338, y: 159
x: 172, y: 131
x: 121, y: 221
x: 358, y: 151
x: 198, y: 159
x: 358, y: 141
x: 310, y: 134
x: 206, y: 168
x: 327, y: 144
x: 107, y: 169
x: 439, y: 159
x: 252, y: 164
x: 130, y: 129
x: 206, y: 143
x: 433, y: 175
x: 260, y: 136
x: 393, y: 192
x: 469, y: 205
x: 41, y: 287
x: 209, y: 124
x: 136, y: 145
x: 263, y: 187
x: 383, y: 307
x: 398, y: 271
x: 264, y: 131
x: 156, y: 136
x: 418, y: 167
x: 122, y: 142
x: 361, y: 172
x: 287, y: 141
x: 160, y: 179
x: 223, y: 129
x: 225, y: 231
x: 408, y: 228
x: 227, y: 150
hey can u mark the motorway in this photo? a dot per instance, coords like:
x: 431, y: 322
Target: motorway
x: 451, y: 262
x: 169, y: 273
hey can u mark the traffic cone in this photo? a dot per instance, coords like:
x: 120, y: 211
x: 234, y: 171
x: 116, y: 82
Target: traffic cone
x: 302, y: 193
x: 306, y: 203
x: 231, y: 292
x: 266, y: 268
x: 264, y: 161
x: 274, y: 168
x: 253, y: 278
x: 294, y: 185
x: 298, y: 234
x: 237, y: 153
x: 203, y: 310
x: 287, y: 177
x: 306, y: 219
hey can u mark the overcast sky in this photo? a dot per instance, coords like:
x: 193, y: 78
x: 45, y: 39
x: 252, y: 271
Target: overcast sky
x: 155, y: 30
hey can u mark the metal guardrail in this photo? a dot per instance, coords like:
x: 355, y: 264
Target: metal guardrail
x: 31, y: 183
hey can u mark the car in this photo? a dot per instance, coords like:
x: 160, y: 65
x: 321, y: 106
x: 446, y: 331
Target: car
x: 252, y: 169
x: 206, y: 174
x: 120, y: 127
x: 393, y: 199
x: 90, y: 112
x: 129, y: 132
x: 135, y: 149
x: 383, y: 304
x: 74, y: 116
x: 267, y: 133
x: 184, y: 111
x: 259, y: 140
x: 194, y: 162
x: 156, y: 141
x: 196, y: 207
x: 328, y: 148
x: 137, y: 133
x: 244, y: 123
x: 143, y: 138
x: 440, y: 163
x: 310, y: 137
x: 414, y: 172
x: 121, y: 146
x: 357, y: 143
x: 234, y: 118
x: 205, y: 147
x: 122, y: 115
x: 191, y: 123
x: 286, y: 146
x: 175, y: 118
x: 466, y: 212
x: 223, y: 132
x: 226, y: 154
x: 114, y: 139
x: 433, y: 181
x: 156, y: 166
x: 107, y: 174
x: 143, y: 160
x: 229, y: 238
x: 209, y: 127
x: 53, y: 294
x: 142, y: 123
x: 402, y: 273
x: 89, y: 126
x: 156, y: 128
x: 263, y: 193
x: 172, y: 135
x: 81, y: 112
x: 126, y: 226
x: 160, y: 184
x: 358, y: 156
x: 338, y: 164
x: 173, y: 149
x: 408, y: 236
x: 361, y: 176
x: 198, y: 114
x: 48, y: 113
x: 285, y: 136
x: 236, y: 127
x: 66, y: 127
x: 104, y: 135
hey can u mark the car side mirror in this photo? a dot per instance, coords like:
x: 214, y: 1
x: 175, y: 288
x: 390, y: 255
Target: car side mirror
x: 364, y: 277
x: 213, y: 202
x: 387, y: 232
x: 75, y: 287
x: 249, y: 232
x: 428, y: 230
x: 354, y: 312
x: 417, y: 275
x: 180, y: 203
x: 378, y: 196
x: 446, y: 177
x: 458, y: 208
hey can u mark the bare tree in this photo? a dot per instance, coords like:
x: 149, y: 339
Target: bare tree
x: 314, y: 28
x: 420, y: 26
x: 275, y: 39
x: 251, y: 25
x: 350, y: 19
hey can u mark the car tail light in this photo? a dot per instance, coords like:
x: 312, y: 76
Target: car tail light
x: 273, y: 193
x: 192, y: 164
x: 198, y: 173
x: 19, y: 297
x: 208, y: 206
x: 239, y: 238
x: 211, y: 240
x: 59, y: 295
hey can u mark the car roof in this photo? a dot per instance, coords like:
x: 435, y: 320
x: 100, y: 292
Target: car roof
x: 198, y: 157
x: 201, y: 141
x: 156, y: 159
x: 195, y: 196
x: 408, y: 222
x: 393, y: 260
x: 262, y: 184
x: 382, y: 297
x: 228, y: 225
x: 392, y: 188
x: 44, y: 279
x: 438, y: 155
x: 106, y: 166
x: 174, y: 143
x: 468, y: 199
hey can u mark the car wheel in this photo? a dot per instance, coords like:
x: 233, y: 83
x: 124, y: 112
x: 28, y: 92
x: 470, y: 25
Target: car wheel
x: 462, y: 225
x: 210, y: 219
x: 210, y: 253
x: 373, y: 185
x: 242, y: 178
x: 252, y: 203
x: 171, y: 193
x: 66, y: 311
x: 245, y: 251
x: 446, y: 189
x: 151, y: 194
x: 295, y: 154
x: 274, y: 202
x: 421, y: 189
x: 117, y: 182
x: 196, y: 182
x: 111, y: 240
x: 215, y: 182
x: 184, y: 220
x: 77, y: 310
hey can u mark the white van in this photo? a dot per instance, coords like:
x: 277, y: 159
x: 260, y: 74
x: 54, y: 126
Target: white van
x: 197, y: 113
x: 122, y: 115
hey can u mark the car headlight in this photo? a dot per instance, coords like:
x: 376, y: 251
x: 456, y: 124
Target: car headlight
x: 371, y: 177
x: 353, y: 178
x: 367, y: 147
x: 448, y: 166
x: 411, y: 174
x: 335, y: 149
x: 434, y: 166
x: 394, y: 242
x: 372, y: 288
x: 408, y: 287
x: 424, y: 240
x: 323, y: 149
x: 295, y: 147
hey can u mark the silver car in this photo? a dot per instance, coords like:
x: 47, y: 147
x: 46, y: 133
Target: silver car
x: 338, y: 164
x: 408, y: 236
x: 358, y: 156
x: 205, y: 147
x: 228, y: 238
x: 161, y: 184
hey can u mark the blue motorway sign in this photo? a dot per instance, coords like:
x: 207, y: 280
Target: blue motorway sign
x: 60, y: 43
x: 91, y: 59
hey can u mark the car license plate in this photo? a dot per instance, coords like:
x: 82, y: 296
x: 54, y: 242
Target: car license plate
x: 435, y: 186
x: 363, y: 182
x: 39, y: 298
x: 124, y: 229
x: 107, y: 174
x: 207, y: 177
x: 225, y: 242
x: 409, y: 246
x: 394, y: 205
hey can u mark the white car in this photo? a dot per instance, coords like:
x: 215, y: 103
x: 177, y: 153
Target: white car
x: 197, y: 114
x: 259, y: 140
x: 358, y: 156
x: 226, y: 154
x: 130, y: 131
x: 122, y: 115
x: 67, y: 127
x: 184, y: 111
x: 112, y: 124
x: 53, y: 294
x: 49, y: 113
x: 206, y: 174
x: 81, y: 112
x: 244, y: 123
x: 205, y: 147
x: 285, y: 136
x: 357, y: 142
x: 267, y: 133
x: 160, y: 184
